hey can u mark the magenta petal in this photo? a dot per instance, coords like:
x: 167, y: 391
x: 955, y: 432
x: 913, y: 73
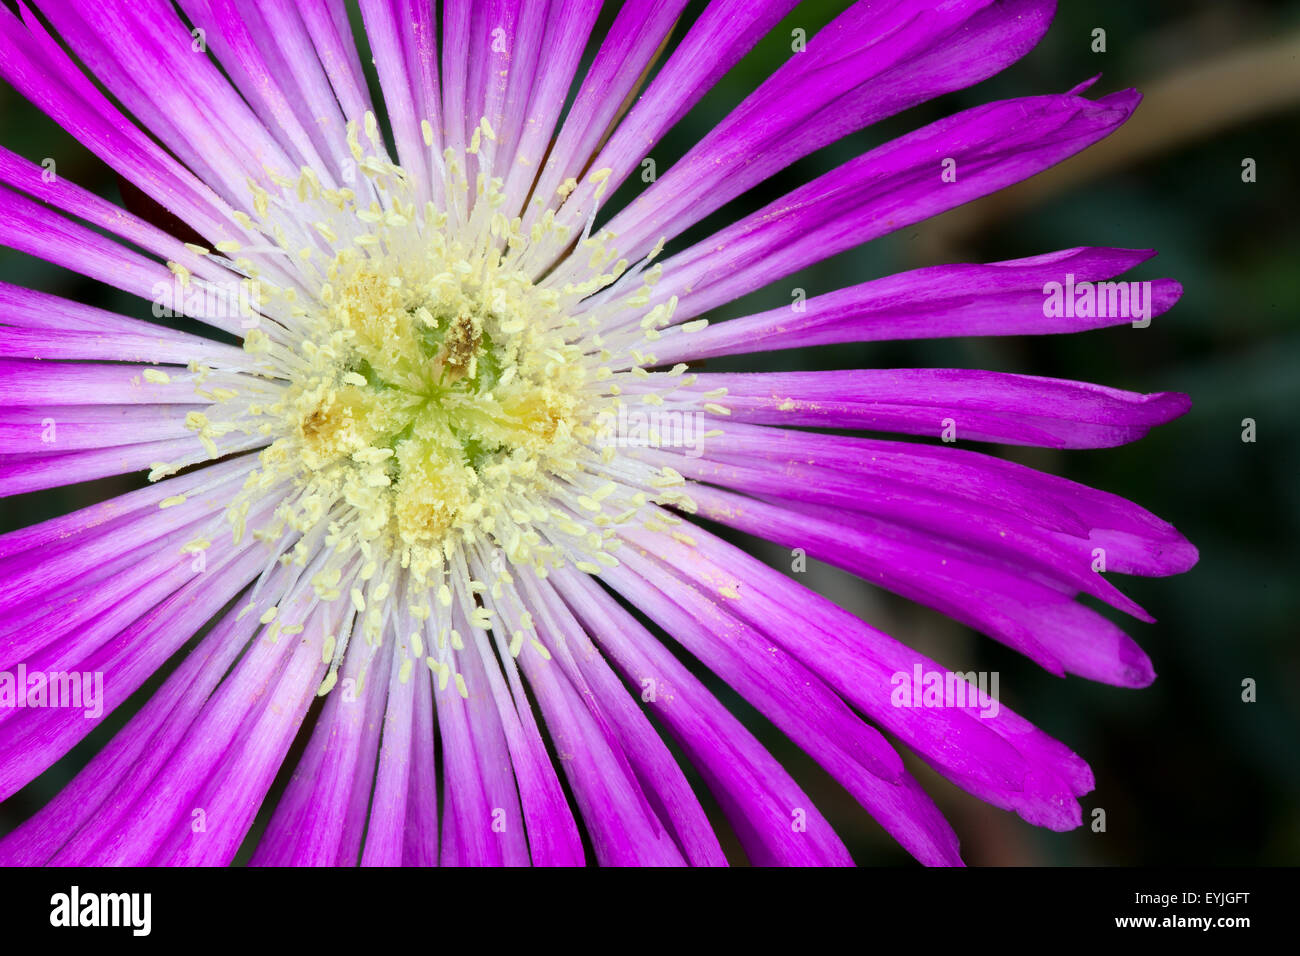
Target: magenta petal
x: 759, y: 797
x: 870, y: 62
x: 1002, y: 298
x: 887, y: 189
x: 954, y: 404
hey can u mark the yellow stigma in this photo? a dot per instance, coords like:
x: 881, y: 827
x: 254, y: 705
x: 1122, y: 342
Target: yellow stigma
x: 434, y: 394
x: 430, y: 398
x: 436, y: 387
x: 432, y: 390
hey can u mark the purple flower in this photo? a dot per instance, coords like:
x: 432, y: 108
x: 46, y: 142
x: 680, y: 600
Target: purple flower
x: 441, y: 470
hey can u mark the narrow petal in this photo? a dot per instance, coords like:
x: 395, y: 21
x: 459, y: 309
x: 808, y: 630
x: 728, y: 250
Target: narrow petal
x: 1002, y: 298
x: 989, y: 751
x: 954, y: 404
x: 870, y: 62
x: 35, y: 738
x: 759, y: 797
x: 725, y: 31
x: 886, y: 189
x: 660, y: 777
x: 1041, y: 622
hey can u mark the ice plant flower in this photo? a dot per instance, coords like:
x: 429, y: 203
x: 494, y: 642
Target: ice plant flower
x: 438, y: 480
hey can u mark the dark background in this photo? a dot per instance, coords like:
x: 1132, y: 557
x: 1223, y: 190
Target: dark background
x: 1186, y: 771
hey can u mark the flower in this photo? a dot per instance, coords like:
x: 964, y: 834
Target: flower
x: 442, y: 467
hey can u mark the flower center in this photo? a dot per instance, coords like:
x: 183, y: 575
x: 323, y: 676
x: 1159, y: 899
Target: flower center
x: 429, y: 403
x: 436, y: 392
